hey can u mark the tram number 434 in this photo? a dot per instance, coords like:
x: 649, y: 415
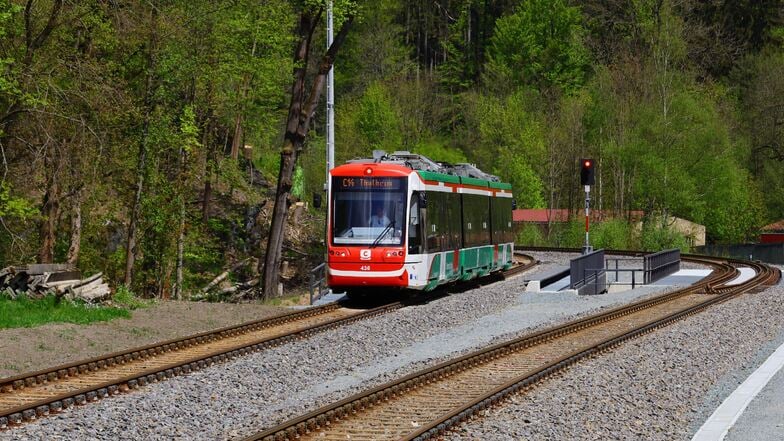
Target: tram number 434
x: 364, y: 268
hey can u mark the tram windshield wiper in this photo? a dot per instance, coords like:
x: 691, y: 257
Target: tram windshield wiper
x: 383, y: 233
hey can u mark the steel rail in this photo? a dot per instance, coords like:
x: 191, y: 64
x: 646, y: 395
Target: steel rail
x: 25, y: 397
x: 340, y: 414
x: 36, y: 394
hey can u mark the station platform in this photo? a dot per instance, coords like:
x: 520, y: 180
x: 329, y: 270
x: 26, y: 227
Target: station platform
x: 623, y: 282
x: 754, y: 411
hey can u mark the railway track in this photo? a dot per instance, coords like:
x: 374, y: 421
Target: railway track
x: 428, y: 403
x: 33, y: 395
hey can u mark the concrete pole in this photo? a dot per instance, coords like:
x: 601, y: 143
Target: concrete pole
x: 330, y: 101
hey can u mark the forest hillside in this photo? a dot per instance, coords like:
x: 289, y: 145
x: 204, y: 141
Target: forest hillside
x: 142, y: 139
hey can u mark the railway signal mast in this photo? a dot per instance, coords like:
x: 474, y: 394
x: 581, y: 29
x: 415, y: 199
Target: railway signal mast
x: 587, y: 179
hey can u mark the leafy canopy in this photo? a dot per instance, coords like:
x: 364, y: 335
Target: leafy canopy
x: 540, y: 44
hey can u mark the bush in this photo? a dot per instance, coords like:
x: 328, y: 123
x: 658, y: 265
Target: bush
x: 614, y: 234
x: 656, y: 237
x: 125, y: 297
x: 531, y: 235
x: 571, y: 234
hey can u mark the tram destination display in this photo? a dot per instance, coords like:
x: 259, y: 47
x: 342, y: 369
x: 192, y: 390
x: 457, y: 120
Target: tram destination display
x: 362, y: 183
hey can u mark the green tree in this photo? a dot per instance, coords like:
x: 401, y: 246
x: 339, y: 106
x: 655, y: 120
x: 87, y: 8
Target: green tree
x: 377, y: 120
x: 540, y: 44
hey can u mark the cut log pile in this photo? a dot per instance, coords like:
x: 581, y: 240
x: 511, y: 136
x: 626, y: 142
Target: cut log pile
x: 62, y: 280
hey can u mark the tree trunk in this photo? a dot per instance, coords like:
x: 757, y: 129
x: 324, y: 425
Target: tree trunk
x: 76, y: 230
x: 300, y: 115
x: 205, y: 208
x: 236, y: 141
x: 288, y: 159
x: 181, y: 235
x: 130, y: 249
x: 50, y: 211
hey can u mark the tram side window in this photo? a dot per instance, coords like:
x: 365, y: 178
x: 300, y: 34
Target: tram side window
x: 484, y: 220
x: 453, y: 219
x: 465, y: 205
x: 414, y: 230
x: 501, y: 220
x: 435, y: 220
x: 507, y: 220
x: 476, y: 220
x: 495, y: 222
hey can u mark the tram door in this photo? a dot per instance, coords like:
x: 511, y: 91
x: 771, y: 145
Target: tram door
x: 415, y: 223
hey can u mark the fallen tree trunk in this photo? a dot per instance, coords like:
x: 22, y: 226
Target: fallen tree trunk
x: 222, y: 276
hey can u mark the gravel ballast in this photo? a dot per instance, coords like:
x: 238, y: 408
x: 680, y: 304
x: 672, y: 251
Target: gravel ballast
x: 248, y: 394
x: 31, y: 349
x: 661, y: 386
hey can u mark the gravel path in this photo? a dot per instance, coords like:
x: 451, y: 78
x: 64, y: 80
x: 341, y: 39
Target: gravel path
x: 661, y: 386
x: 260, y: 390
x: 30, y: 349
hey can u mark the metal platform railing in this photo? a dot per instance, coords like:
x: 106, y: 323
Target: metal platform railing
x: 660, y: 265
x: 587, y: 273
x: 318, y: 282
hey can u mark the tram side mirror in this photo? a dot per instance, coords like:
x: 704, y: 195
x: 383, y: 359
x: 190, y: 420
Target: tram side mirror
x: 316, y: 200
x: 514, y: 204
x: 422, y: 200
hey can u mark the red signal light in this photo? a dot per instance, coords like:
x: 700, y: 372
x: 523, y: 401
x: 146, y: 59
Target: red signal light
x: 368, y: 171
x: 587, y: 171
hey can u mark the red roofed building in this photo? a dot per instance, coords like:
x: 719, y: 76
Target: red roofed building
x: 773, y: 233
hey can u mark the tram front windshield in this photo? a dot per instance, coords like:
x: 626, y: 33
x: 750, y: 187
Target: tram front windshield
x: 368, y: 211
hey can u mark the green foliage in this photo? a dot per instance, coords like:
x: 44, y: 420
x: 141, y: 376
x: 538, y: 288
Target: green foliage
x: 438, y: 150
x: 269, y: 163
x: 508, y: 139
x: 760, y: 80
x: 377, y: 121
x: 126, y: 298
x: 9, y: 86
x: 656, y: 237
x: 679, y: 102
x: 570, y: 234
x: 203, y: 258
x: 12, y: 206
x: 26, y: 313
x: 614, y: 234
x: 189, y: 130
x: 528, y: 188
x: 531, y: 235
x: 298, y: 186
x: 540, y: 44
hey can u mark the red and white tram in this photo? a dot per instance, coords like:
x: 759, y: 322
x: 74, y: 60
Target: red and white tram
x: 404, y: 221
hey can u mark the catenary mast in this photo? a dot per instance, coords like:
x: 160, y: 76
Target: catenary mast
x: 330, y: 101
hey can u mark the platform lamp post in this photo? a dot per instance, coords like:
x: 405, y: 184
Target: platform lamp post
x: 587, y: 179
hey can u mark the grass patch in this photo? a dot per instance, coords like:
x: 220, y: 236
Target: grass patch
x: 294, y: 298
x: 26, y: 313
